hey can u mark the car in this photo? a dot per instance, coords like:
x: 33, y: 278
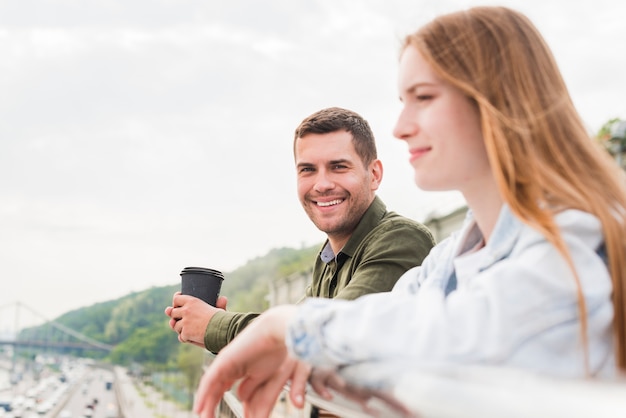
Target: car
x: 17, y: 413
x: 44, y: 407
x: 17, y: 402
x: 65, y: 414
x: 88, y: 413
x: 111, y: 411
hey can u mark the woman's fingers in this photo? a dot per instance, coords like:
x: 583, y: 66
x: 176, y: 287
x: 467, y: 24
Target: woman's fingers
x: 299, y: 380
x: 259, y: 397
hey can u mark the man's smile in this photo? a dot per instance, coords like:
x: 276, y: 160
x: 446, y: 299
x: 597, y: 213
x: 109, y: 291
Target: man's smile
x: 329, y: 203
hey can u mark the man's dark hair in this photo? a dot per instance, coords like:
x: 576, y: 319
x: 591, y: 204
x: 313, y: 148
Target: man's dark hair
x: 335, y: 119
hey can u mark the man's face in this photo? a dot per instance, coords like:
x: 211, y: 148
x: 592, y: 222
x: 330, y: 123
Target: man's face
x: 334, y: 187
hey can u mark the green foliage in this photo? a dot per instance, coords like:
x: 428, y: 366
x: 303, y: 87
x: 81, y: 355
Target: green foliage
x: 255, y: 300
x: 605, y: 138
x: 299, y: 261
x: 248, y: 286
x: 190, y: 360
x: 604, y: 133
x: 91, y: 322
x: 151, y: 346
x: 136, y: 325
x: 141, y: 310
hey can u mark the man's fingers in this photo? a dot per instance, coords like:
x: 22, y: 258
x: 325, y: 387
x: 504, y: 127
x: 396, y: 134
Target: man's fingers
x: 221, y: 303
x: 173, y: 323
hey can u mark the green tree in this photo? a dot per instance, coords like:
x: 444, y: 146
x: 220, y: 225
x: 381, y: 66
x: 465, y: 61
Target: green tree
x: 190, y: 361
x: 605, y: 137
x: 150, y: 346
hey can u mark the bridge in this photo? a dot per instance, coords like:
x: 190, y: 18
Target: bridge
x: 71, y: 339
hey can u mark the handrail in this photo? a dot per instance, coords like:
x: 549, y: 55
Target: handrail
x: 492, y: 392
x: 230, y: 407
x: 346, y: 408
x: 476, y: 391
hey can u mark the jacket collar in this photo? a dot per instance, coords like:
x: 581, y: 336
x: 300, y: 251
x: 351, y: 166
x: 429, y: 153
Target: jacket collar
x: 505, y: 234
x: 372, y: 216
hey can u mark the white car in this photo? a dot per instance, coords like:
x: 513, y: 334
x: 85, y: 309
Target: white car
x: 43, y: 408
x: 65, y: 414
x: 111, y: 412
x: 17, y: 413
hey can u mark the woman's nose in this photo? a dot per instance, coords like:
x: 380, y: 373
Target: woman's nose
x: 406, y: 125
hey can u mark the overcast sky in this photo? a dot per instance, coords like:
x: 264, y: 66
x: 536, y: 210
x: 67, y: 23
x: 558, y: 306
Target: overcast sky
x: 138, y: 137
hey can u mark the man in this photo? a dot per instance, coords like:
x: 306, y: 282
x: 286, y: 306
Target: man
x: 367, y: 248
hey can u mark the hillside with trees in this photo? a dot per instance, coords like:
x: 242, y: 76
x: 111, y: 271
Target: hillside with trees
x: 136, y: 325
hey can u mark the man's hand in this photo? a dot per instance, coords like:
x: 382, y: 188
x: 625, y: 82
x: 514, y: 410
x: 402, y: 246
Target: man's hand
x: 190, y: 316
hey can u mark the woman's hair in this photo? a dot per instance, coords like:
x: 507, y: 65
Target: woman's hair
x: 335, y: 119
x: 540, y: 152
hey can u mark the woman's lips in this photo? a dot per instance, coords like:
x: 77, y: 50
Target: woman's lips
x: 418, y: 153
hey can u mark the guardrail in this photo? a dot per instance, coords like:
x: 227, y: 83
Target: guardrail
x: 468, y: 392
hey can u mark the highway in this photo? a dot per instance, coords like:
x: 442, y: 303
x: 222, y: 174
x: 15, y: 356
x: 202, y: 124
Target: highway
x: 91, y: 398
x: 78, y: 389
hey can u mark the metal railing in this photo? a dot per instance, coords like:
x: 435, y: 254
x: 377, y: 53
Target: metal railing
x: 471, y: 392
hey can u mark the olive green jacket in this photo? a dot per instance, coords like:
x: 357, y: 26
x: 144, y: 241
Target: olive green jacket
x: 382, y: 247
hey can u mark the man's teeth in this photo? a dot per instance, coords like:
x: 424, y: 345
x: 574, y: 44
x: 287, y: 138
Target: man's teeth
x: 331, y: 203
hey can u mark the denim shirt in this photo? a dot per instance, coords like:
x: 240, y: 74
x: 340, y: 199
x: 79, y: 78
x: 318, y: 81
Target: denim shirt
x: 514, y: 304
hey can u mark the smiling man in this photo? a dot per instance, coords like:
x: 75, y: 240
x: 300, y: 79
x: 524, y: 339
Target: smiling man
x: 367, y: 249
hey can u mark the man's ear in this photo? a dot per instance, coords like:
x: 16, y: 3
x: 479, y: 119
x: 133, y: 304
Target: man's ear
x: 376, y: 170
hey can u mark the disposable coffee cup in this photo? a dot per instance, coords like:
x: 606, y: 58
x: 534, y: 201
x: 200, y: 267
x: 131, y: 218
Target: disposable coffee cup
x: 202, y: 283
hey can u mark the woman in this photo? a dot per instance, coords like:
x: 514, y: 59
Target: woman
x: 536, y: 277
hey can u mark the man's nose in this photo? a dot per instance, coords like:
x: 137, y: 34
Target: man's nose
x: 324, y: 182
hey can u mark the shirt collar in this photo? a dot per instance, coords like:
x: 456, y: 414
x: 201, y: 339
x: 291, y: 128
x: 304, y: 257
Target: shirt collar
x: 504, y: 236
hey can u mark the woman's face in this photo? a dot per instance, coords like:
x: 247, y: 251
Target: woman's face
x: 442, y: 129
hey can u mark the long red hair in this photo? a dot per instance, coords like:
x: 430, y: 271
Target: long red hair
x: 540, y: 152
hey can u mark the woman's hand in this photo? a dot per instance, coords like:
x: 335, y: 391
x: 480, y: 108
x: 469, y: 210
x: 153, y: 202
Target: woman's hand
x: 258, y: 358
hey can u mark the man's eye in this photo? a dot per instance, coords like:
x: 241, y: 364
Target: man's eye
x: 306, y: 169
x: 424, y: 97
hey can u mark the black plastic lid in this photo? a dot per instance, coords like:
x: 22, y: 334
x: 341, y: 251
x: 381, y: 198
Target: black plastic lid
x: 202, y: 270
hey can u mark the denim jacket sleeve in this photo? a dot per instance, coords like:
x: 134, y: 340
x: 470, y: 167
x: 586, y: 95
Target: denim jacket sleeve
x: 519, y: 309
